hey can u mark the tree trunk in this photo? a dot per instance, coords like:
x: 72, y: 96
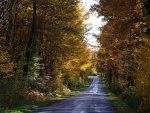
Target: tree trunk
x: 110, y: 77
x: 2, y: 13
x: 10, y: 22
x: 29, y: 49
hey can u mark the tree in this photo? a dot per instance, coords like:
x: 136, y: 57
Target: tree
x: 124, y: 42
x: 45, y: 46
x: 31, y: 42
x: 9, y: 29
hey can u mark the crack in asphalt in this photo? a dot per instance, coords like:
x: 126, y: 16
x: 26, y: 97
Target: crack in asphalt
x: 92, y: 100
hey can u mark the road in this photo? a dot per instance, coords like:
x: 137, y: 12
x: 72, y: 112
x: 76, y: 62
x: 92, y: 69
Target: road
x: 92, y: 100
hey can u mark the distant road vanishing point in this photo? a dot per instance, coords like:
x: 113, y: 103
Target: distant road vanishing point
x: 92, y: 100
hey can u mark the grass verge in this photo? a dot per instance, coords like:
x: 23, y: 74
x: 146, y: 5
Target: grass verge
x: 34, y: 105
x: 119, y: 105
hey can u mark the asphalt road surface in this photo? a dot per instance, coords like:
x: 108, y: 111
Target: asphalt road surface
x: 92, y: 100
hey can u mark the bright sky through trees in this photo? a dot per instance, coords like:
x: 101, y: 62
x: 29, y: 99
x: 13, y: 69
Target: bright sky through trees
x: 94, y: 21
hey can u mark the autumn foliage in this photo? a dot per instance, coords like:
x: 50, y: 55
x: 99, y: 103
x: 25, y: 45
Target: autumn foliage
x: 42, y: 49
x: 123, y: 57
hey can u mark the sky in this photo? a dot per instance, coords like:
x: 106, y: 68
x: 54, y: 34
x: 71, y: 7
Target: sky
x: 94, y: 21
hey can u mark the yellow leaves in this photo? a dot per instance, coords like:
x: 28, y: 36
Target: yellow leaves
x: 82, y: 62
x: 125, y: 44
x: 143, y: 82
x: 94, y: 71
x: 71, y: 64
x: 84, y: 67
x: 116, y: 41
x: 138, y: 7
x: 143, y: 53
x: 102, y: 50
x: 6, y: 65
x: 143, y: 74
x: 29, y: 9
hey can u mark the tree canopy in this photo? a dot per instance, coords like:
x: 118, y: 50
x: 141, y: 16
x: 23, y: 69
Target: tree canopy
x: 124, y: 53
x: 42, y: 48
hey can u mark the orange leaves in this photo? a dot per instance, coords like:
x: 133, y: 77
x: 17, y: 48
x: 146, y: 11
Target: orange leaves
x: 36, y: 95
x: 125, y: 46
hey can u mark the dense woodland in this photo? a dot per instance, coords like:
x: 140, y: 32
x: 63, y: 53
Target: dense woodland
x: 42, y: 49
x: 124, y: 55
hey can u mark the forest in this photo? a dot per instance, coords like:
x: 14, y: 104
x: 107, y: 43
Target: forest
x: 124, y: 55
x: 43, y: 50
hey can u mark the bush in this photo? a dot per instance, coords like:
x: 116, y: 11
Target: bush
x: 36, y: 96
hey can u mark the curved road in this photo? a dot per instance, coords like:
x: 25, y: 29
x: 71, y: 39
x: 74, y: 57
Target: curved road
x: 92, y: 100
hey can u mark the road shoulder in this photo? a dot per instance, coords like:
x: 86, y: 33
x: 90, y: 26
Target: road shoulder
x: 118, y: 104
x: 35, y: 105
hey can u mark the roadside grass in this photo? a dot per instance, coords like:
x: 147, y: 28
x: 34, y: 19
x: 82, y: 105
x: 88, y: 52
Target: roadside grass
x: 29, y: 106
x: 120, y: 105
